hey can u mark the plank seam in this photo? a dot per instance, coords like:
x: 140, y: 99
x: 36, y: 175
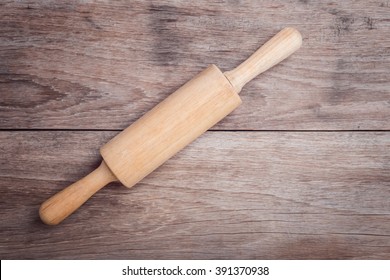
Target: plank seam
x: 211, y: 130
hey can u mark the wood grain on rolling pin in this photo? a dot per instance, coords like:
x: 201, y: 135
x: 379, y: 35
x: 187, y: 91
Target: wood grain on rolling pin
x: 171, y: 125
x: 228, y: 195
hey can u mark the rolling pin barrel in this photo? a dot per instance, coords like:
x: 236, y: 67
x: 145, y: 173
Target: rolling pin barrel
x: 170, y: 126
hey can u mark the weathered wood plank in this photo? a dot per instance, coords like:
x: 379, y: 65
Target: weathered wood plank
x: 91, y: 64
x: 228, y: 195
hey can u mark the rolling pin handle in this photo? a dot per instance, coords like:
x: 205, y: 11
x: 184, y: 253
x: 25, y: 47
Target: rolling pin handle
x: 54, y: 210
x: 281, y: 46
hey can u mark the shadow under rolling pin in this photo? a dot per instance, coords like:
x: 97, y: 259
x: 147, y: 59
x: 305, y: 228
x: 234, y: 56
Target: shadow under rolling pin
x: 170, y: 126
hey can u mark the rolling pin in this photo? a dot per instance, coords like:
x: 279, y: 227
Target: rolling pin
x: 170, y: 126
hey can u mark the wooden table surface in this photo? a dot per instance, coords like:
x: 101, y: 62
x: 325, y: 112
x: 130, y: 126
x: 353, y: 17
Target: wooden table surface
x: 300, y: 171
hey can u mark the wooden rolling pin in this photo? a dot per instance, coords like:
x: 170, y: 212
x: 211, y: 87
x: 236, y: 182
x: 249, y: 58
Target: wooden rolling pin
x: 170, y: 126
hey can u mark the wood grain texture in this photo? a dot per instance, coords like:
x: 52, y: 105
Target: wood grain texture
x: 271, y: 195
x: 101, y: 65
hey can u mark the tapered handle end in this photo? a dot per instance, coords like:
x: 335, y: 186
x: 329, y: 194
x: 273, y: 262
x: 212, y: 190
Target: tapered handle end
x: 281, y: 46
x: 54, y: 210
